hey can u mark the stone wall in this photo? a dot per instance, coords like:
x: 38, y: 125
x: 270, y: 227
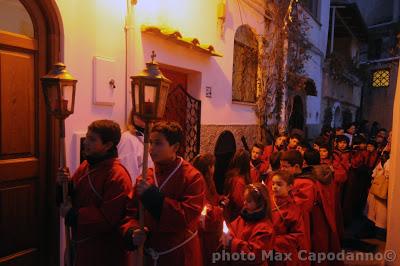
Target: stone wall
x: 209, y: 135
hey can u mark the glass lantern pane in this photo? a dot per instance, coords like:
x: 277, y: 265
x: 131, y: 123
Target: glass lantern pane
x: 162, y: 101
x: 52, y: 95
x: 67, y: 94
x: 136, y: 99
x: 149, y: 100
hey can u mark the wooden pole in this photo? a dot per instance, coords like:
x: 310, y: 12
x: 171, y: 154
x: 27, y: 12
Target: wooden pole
x: 140, y: 255
x: 68, y: 259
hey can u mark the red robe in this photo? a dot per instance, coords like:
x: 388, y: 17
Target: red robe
x: 251, y: 237
x: 289, y: 229
x: 236, y: 197
x: 211, y: 230
x: 259, y: 171
x: 341, y: 165
x: 175, y: 218
x: 324, y: 236
x: 268, y: 150
x: 100, y: 211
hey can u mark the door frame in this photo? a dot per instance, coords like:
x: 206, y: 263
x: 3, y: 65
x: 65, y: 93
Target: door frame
x: 47, y: 23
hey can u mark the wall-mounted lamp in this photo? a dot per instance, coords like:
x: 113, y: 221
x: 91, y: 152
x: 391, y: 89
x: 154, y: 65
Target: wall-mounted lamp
x: 221, y: 14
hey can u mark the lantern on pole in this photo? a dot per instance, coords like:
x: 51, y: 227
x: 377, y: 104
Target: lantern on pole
x: 149, y: 91
x: 59, y: 91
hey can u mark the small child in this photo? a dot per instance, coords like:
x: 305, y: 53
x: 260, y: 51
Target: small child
x: 258, y: 167
x: 210, y: 229
x: 325, y: 154
x: 238, y: 177
x: 287, y: 219
x: 252, y: 232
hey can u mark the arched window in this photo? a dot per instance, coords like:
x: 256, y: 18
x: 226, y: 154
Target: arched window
x: 245, y: 64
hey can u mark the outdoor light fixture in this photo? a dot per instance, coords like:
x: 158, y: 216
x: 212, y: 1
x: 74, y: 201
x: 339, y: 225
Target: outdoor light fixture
x: 149, y: 97
x: 150, y: 92
x: 59, y: 91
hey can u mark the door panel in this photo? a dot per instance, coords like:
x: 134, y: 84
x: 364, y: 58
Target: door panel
x: 21, y: 177
x: 17, y: 103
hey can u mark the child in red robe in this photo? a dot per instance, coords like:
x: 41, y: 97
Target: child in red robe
x: 252, y: 232
x: 258, y: 167
x: 173, y: 197
x: 288, y: 221
x: 303, y: 190
x: 279, y: 144
x: 210, y: 227
x: 237, y: 178
x: 101, y: 190
x: 341, y: 166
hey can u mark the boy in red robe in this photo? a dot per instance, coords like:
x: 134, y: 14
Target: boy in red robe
x: 341, y: 166
x: 303, y: 191
x: 278, y: 145
x: 101, y: 188
x: 258, y: 167
x: 173, y: 197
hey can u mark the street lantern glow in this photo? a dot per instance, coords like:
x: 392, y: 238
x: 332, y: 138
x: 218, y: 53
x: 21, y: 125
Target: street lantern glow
x: 149, y: 92
x: 59, y: 90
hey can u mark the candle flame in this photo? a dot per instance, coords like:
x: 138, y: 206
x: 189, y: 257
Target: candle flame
x: 225, y: 228
x: 262, y: 182
x: 204, y: 211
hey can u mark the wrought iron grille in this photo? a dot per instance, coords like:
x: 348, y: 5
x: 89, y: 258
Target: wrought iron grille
x: 186, y: 110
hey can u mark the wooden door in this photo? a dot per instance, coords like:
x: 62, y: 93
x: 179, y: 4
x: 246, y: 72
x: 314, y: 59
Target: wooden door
x: 22, y: 148
x: 176, y: 109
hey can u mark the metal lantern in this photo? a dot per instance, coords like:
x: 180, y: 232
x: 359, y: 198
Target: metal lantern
x: 149, y: 92
x: 59, y: 90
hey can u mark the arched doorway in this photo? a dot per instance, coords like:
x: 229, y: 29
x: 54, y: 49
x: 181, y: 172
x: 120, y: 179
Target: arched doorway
x: 297, y: 116
x: 29, y: 44
x: 337, y: 118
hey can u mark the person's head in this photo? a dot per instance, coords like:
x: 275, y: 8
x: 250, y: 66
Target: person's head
x: 342, y: 142
x: 282, y: 182
x: 102, y: 138
x: 312, y: 157
x: 318, y: 142
x: 257, y: 151
x: 205, y: 164
x: 303, y: 147
x: 359, y: 142
x: 281, y: 141
x: 294, y: 141
x: 240, y: 164
x: 351, y: 129
x: 291, y: 161
x: 371, y: 145
x: 326, y: 131
x: 165, y: 138
x: 339, y: 131
x: 382, y: 132
x: 274, y: 160
x: 256, y: 198
x: 135, y: 123
x: 324, y: 152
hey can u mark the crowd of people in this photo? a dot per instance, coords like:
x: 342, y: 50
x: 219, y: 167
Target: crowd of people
x: 281, y: 202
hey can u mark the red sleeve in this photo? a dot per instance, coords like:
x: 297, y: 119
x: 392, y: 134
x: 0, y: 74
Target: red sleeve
x: 214, y: 219
x: 304, y: 193
x: 261, y: 239
x: 178, y: 214
x: 295, y: 237
x: 93, y: 220
x: 358, y: 159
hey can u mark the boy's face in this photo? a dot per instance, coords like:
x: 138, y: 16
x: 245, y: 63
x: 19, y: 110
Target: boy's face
x: 293, y: 143
x: 342, y: 145
x: 160, y: 149
x: 351, y: 130
x: 363, y: 146
x: 256, y: 153
x: 339, y: 132
x: 370, y: 147
x: 94, y: 146
x: 323, y: 153
x: 285, y: 165
x: 280, y: 142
